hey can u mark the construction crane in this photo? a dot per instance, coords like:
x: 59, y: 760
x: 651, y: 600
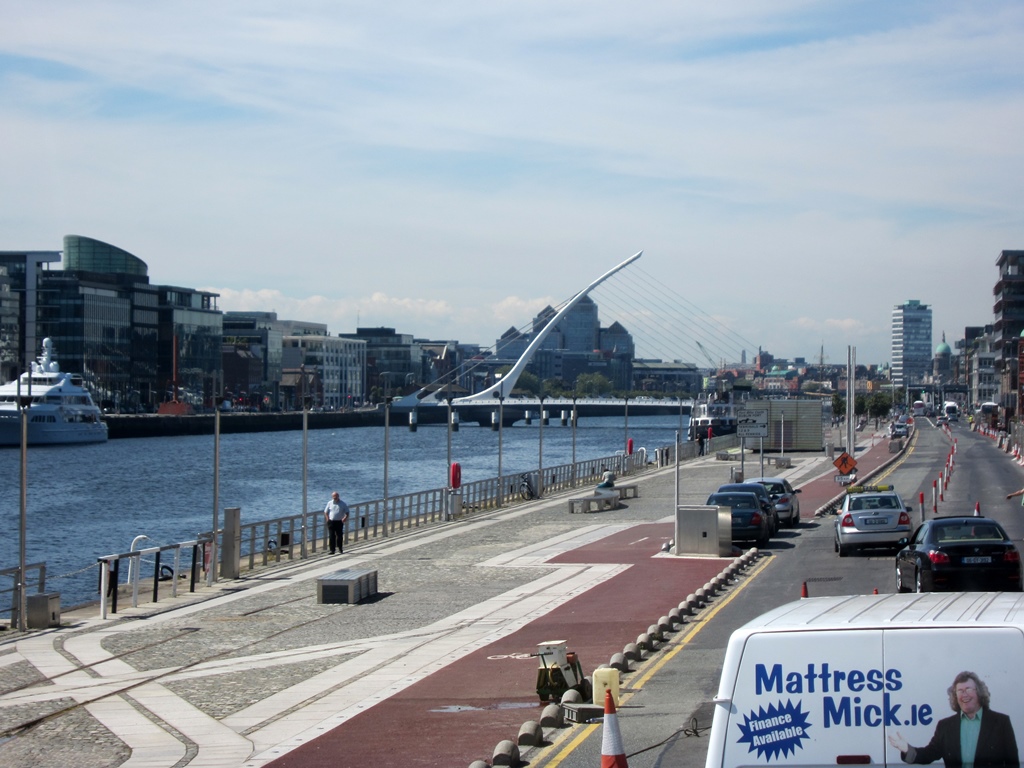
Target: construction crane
x: 711, y: 361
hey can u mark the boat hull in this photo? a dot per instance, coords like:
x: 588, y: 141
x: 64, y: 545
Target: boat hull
x: 51, y: 433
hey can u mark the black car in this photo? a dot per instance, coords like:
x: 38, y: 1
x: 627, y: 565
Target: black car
x: 767, y: 502
x: 958, y: 553
x: 749, y: 522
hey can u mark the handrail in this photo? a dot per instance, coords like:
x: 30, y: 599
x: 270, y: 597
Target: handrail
x: 267, y: 541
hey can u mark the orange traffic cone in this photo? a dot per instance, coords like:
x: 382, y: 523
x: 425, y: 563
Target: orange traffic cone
x: 803, y: 590
x: 613, y: 755
x: 977, y: 509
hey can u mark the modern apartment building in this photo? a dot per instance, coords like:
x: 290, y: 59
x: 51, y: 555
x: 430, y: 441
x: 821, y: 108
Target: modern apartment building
x: 1007, y: 327
x: 21, y: 273
x: 911, y: 343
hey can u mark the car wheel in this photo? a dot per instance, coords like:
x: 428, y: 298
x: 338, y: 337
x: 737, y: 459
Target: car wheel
x: 843, y: 551
x: 918, y: 583
x: 900, y: 586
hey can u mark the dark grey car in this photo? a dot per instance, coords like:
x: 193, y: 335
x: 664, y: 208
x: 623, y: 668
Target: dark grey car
x: 767, y: 504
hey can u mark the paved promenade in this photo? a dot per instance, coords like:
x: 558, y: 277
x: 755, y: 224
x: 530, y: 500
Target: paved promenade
x: 432, y: 672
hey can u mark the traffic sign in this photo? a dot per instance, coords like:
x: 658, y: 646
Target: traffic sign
x: 752, y: 422
x: 845, y: 463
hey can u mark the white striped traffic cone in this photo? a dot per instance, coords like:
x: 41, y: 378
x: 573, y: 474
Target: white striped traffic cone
x: 613, y: 755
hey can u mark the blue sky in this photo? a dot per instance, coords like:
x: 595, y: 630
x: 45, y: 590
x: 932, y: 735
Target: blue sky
x: 793, y: 168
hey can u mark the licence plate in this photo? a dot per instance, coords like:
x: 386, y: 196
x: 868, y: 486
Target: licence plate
x: 977, y: 560
x: 875, y: 520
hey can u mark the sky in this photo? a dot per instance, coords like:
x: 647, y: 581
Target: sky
x: 792, y: 168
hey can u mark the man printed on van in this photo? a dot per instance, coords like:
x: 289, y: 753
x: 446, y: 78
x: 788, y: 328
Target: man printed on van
x: 975, y: 736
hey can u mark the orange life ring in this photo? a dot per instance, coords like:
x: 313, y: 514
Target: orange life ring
x: 456, y: 475
x: 629, y: 447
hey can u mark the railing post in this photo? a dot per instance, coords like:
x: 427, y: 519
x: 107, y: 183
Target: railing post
x: 230, y: 543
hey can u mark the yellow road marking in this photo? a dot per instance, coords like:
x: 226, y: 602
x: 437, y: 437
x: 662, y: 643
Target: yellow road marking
x: 649, y: 673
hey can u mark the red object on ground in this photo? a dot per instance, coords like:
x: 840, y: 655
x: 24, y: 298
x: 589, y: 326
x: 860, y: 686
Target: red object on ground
x: 613, y: 754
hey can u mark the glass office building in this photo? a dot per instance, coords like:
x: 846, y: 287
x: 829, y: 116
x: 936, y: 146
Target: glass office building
x: 120, y: 332
x: 911, y: 343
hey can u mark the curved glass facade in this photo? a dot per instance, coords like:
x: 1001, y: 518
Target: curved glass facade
x: 86, y: 254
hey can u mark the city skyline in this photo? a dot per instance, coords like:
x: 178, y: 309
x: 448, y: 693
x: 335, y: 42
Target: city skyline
x: 450, y: 171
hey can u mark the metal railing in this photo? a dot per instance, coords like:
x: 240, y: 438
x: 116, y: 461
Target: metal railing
x: 301, y: 535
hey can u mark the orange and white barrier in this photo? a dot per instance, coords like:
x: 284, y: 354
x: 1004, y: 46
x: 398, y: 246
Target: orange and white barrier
x: 613, y: 754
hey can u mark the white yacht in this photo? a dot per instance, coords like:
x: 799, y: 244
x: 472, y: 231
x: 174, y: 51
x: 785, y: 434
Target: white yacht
x: 61, y: 410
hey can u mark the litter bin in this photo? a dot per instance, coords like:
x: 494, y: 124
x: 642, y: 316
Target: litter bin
x: 42, y: 610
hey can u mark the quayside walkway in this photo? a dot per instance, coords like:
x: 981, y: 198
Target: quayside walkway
x: 432, y: 671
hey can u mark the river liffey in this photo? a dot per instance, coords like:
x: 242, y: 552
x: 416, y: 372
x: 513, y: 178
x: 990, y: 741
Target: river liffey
x: 91, y: 500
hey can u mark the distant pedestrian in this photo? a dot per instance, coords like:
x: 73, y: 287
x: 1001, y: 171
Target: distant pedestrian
x: 700, y: 444
x: 336, y: 514
x: 607, y: 478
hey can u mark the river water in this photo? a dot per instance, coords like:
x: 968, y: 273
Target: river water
x: 92, y: 500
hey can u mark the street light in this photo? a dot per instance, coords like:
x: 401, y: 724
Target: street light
x: 25, y: 403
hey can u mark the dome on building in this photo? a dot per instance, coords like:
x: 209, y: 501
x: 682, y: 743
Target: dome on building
x: 943, y: 349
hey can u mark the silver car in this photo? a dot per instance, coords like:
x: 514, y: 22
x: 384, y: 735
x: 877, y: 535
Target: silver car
x: 871, y: 516
x: 787, y: 505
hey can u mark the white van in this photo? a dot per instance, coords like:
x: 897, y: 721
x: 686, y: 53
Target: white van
x: 872, y: 680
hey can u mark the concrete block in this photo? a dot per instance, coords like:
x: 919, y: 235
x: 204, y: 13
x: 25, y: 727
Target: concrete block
x: 530, y: 734
x: 505, y: 753
x: 552, y: 716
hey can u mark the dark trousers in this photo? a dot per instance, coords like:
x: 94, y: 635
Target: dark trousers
x: 336, y: 531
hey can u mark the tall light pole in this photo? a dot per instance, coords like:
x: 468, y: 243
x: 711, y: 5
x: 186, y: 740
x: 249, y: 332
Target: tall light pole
x: 574, y: 440
x: 540, y: 450
x: 501, y: 426
x: 25, y: 403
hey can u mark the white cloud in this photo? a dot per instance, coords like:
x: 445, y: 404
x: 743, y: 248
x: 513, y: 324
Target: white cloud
x: 446, y: 169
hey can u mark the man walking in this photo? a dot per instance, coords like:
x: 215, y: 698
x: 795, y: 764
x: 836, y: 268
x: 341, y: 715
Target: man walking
x: 336, y: 514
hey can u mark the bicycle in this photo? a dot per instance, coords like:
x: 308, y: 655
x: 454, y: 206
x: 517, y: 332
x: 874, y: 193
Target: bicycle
x: 526, y: 489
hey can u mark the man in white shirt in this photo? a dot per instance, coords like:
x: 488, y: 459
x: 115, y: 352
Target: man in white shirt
x: 336, y: 514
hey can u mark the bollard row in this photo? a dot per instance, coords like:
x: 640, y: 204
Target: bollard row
x: 531, y: 734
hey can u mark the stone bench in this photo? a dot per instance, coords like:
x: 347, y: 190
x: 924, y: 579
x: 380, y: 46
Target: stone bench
x: 349, y: 585
x: 783, y: 462
x: 598, y: 501
x: 628, y: 491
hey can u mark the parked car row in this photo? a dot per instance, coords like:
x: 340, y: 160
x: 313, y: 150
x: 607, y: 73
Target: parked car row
x: 759, y: 507
x: 943, y: 553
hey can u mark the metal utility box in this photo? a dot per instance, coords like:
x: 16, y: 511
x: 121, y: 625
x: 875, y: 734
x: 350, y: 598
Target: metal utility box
x: 42, y: 610
x: 703, y: 530
x: 347, y: 586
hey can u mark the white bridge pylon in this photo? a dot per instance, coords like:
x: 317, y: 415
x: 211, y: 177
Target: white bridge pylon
x: 504, y: 386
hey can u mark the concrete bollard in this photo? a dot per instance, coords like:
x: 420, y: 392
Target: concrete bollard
x: 552, y: 716
x: 645, y: 641
x: 620, y: 661
x: 665, y: 624
x: 479, y: 764
x: 655, y: 632
x: 572, y: 696
x: 530, y: 734
x: 709, y: 589
x: 690, y: 603
x: 506, y: 753
x: 676, y: 617
x: 701, y: 596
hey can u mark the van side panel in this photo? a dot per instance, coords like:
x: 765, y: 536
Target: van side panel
x: 818, y: 698
x: 808, y: 699
x: 930, y: 659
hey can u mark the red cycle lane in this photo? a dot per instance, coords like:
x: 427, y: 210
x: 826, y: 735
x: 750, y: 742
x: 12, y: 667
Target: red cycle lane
x: 458, y: 714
